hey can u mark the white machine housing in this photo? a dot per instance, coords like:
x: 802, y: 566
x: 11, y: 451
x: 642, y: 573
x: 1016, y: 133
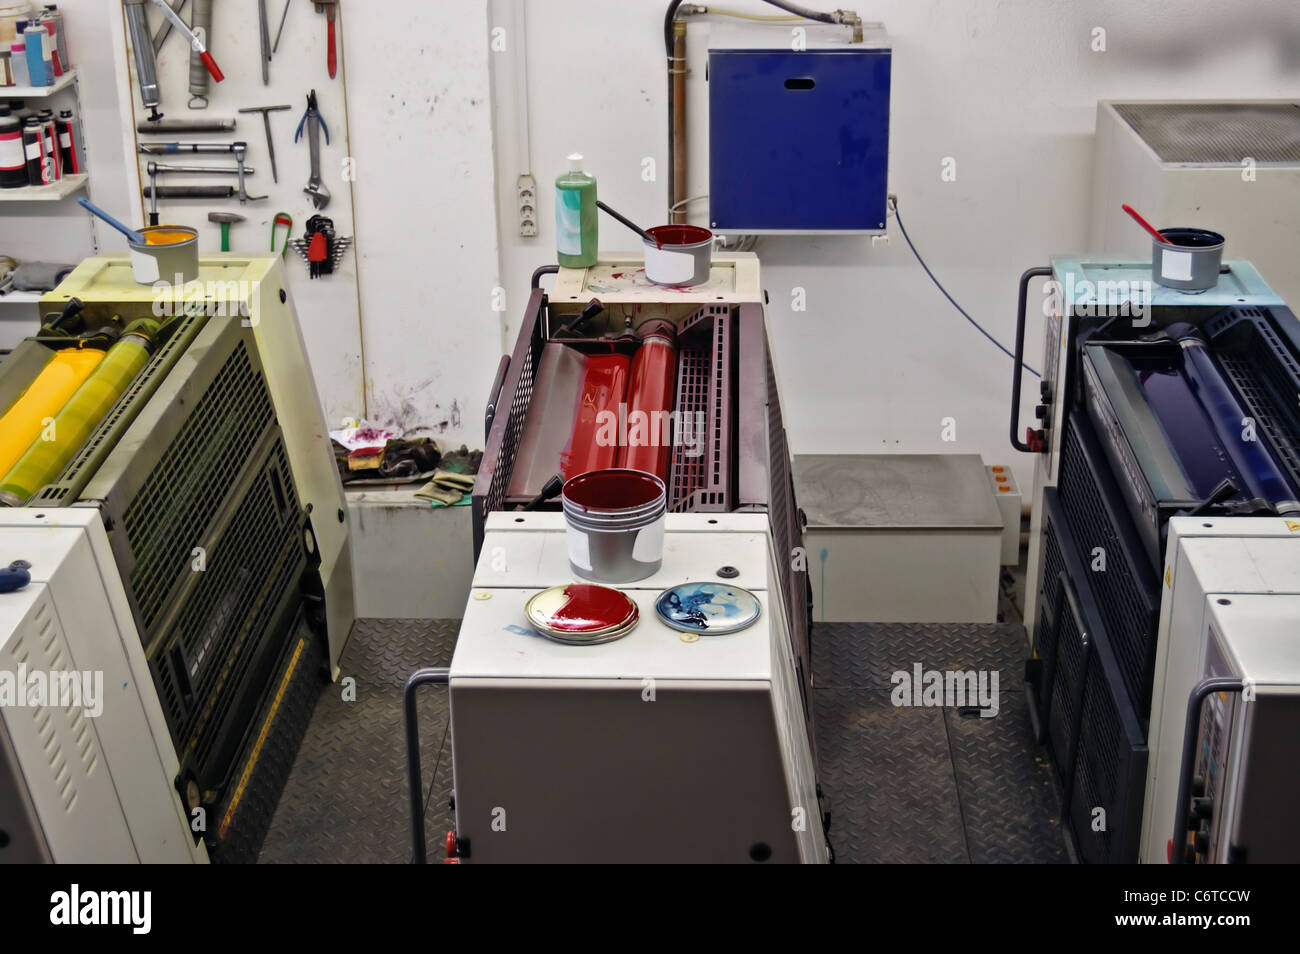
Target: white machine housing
x: 83, y: 789
x: 1219, y: 192
x: 1231, y: 607
x: 657, y: 747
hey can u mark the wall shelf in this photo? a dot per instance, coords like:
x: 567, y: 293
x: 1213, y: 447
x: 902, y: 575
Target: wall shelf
x: 46, y: 193
x: 21, y: 298
x: 39, y: 92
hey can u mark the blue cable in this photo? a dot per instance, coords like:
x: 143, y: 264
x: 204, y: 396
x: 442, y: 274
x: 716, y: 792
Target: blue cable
x: 937, y: 284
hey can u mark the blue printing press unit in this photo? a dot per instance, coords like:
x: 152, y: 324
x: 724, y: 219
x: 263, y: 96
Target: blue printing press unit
x: 1146, y: 413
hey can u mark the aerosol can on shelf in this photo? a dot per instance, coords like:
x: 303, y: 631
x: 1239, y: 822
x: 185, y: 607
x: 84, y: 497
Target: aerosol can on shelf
x: 575, y: 216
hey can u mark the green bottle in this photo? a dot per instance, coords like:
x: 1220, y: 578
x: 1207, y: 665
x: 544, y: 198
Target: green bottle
x: 575, y: 216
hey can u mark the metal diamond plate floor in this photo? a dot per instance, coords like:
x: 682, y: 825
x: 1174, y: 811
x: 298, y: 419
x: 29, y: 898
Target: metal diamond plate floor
x: 930, y: 784
x: 345, y: 799
x: 923, y: 784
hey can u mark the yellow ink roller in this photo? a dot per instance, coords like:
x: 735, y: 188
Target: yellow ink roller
x: 44, y: 460
x: 66, y: 371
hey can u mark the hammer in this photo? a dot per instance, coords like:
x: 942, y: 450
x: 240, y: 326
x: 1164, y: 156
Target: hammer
x: 225, y: 220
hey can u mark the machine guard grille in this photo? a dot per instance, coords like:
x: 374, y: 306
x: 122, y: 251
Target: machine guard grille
x: 171, y: 512
x: 1110, y: 766
x: 1266, y: 375
x: 229, y: 616
x: 508, y: 423
x: 1045, y: 633
x: 705, y: 367
x: 1127, y: 597
x: 1063, y: 715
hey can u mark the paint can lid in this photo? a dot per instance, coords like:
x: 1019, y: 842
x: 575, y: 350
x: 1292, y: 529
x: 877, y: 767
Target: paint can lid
x: 708, y: 608
x: 582, y: 613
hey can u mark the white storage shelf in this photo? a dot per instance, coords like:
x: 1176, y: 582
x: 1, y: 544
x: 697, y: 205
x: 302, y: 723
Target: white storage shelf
x: 68, y: 184
x: 39, y: 92
x: 46, y: 193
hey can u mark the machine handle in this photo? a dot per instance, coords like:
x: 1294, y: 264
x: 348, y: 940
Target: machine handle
x: 1191, y: 727
x: 1018, y: 371
x: 544, y: 270
x: 421, y: 677
x: 494, y: 395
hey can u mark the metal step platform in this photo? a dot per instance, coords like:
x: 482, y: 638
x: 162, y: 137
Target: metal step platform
x: 905, y: 784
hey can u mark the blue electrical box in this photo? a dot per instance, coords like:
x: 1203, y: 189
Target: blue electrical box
x: 799, y: 138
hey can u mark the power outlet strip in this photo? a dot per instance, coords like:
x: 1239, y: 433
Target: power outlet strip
x: 526, y: 190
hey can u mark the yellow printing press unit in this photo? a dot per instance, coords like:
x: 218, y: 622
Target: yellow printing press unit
x: 175, y: 532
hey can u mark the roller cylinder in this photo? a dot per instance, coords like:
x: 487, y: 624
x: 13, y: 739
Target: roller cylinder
x: 44, y: 460
x: 1254, y: 462
x: 22, y: 424
x: 651, y: 388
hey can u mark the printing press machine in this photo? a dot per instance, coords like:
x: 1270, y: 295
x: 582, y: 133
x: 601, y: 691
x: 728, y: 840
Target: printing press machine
x: 657, y: 746
x: 194, y: 550
x: 1165, y: 417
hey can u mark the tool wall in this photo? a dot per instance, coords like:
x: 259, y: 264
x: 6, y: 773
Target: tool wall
x: 297, y: 65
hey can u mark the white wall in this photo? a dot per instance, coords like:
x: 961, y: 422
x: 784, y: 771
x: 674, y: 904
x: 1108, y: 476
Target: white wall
x: 420, y: 109
x: 404, y: 332
x: 1008, y: 88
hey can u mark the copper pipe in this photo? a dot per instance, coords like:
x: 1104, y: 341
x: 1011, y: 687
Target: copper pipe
x: 677, y: 147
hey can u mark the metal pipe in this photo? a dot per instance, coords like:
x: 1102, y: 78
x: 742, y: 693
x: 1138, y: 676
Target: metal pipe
x: 677, y: 85
x: 840, y: 17
x: 1191, y: 726
x: 172, y: 148
x: 422, y: 677
x: 670, y: 20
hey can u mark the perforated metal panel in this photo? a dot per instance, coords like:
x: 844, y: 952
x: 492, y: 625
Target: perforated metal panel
x: 702, y: 482
x: 1097, y: 742
x: 175, y: 507
x: 1266, y: 375
x: 1217, y: 133
x: 508, y: 424
x: 1045, y: 633
x: 1110, y: 766
x: 1068, y: 674
x: 207, y: 527
x: 1127, y: 594
x: 230, y: 616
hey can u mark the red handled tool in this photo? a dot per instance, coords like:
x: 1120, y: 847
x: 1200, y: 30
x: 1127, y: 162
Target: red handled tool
x: 1133, y: 213
x: 330, y: 9
x: 285, y: 219
x: 195, y: 43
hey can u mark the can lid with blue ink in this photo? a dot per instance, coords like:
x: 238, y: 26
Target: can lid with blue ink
x: 708, y: 608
